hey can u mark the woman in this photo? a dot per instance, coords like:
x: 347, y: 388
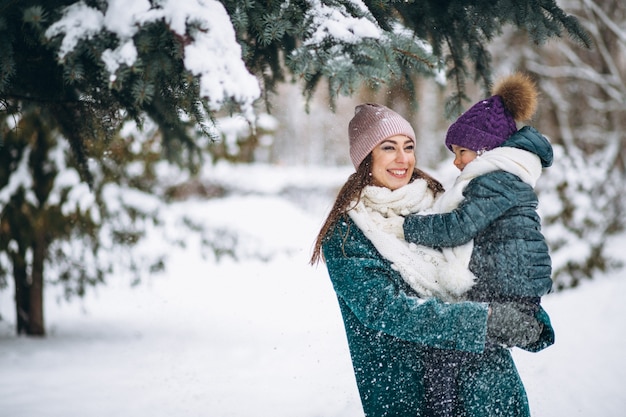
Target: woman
x: 389, y: 328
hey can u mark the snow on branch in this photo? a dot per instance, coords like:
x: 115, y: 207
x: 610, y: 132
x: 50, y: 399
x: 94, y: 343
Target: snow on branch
x: 20, y: 178
x: 338, y: 24
x: 212, y: 53
x: 79, y: 22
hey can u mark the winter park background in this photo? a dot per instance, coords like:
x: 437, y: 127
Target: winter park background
x: 265, y: 337
x: 249, y: 328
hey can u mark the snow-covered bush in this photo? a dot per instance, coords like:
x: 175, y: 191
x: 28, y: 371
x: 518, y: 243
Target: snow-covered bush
x: 580, y: 206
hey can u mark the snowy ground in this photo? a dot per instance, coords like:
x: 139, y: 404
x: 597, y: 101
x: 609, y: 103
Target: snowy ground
x: 265, y: 338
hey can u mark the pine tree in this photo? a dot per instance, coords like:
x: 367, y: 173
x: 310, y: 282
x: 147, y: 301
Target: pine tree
x: 51, y: 221
x: 77, y: 70
x: 88, y: 90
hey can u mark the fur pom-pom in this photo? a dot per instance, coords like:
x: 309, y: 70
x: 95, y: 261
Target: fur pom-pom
x: 519, y: 95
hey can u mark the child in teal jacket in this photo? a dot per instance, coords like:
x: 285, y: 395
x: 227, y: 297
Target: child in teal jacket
x: 491, y: 213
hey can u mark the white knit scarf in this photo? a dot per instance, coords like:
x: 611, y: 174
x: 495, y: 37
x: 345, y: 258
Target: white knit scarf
x: 379, y: 215
x: 432, y: 273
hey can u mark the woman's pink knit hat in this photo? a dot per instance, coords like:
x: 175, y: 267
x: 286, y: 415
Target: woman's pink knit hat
x: 372, y: 123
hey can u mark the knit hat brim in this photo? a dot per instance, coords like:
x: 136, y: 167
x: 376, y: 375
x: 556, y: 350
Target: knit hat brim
x: 484, y: 126
x: 471, y: 138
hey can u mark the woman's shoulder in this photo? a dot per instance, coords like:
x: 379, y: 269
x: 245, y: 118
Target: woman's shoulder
x: 345, y: 239
x: 343, y: 229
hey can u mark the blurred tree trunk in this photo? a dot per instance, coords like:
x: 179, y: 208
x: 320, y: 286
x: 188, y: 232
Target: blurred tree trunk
x: 40, y: 250
x: 29, y: 294
x: 22, y: 292
x: 24, y: 219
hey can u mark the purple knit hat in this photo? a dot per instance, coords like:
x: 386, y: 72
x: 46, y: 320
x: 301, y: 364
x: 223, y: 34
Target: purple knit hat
x: 484, y: 126
x: 372, y: 123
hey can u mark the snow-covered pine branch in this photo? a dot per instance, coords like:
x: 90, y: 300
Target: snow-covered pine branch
x: 211, y: 51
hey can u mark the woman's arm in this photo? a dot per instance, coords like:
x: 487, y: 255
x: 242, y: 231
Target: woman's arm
x: 381, y: 300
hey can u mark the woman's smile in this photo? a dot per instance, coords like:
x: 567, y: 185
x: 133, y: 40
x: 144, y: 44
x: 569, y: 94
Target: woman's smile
x: 398, y: 172
x: 393, y: 162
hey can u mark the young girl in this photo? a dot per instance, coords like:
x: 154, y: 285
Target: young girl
x: 489, y: 217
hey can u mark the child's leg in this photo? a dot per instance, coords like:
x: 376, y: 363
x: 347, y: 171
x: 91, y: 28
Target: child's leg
x: 440, y: 381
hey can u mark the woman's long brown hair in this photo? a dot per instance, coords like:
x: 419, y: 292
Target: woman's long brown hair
x: 350, y: 194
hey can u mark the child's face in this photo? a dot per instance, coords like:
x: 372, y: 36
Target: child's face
x: 393, y: 161
x: 463, y: 156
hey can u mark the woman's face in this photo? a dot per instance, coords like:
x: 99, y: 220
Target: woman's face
x: 393, y: 162
x: 463, y: 156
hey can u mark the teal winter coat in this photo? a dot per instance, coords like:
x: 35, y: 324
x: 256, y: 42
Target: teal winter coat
x: 389, y: 328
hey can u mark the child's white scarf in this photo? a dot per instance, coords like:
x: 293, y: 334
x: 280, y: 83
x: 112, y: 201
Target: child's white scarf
x: 432, y: 273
